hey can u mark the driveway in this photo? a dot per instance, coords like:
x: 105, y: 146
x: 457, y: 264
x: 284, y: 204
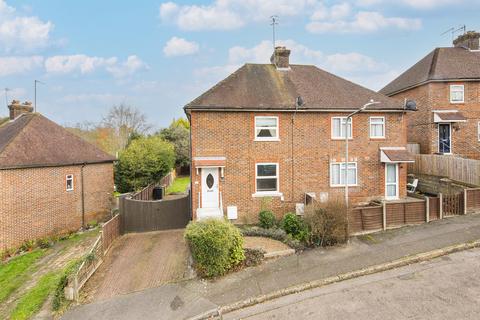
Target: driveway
x: 139, y: 261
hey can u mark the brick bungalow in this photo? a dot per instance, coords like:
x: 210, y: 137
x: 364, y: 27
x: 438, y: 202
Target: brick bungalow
x: 51, y: 180
x: 270, y: 133
x: 446, y: 86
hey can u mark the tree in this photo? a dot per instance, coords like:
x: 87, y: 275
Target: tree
x: 178, y: 133
x: 144, y: 161
x: 125, y: 120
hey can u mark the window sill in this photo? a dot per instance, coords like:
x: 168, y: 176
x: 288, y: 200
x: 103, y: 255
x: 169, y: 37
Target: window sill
x: 343, y: 186
x: 377, y: 138
x: 457, y: 102
x: 267, y: 194
x: 333, y: 138
x: 266, y: 140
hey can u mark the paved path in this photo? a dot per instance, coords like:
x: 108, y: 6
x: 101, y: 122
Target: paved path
x: 137, y: 262
x: 301, y: 268
x: 444, y: 288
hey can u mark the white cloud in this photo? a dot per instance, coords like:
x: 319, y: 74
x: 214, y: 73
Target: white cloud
x: 363, y: 22
x: 84, y: 64
x: 429, y: 4
x: 229, y: 14
x: 102, y: 98
x: 15, y: 65
x: 22, y: 33
x: 180, y: 47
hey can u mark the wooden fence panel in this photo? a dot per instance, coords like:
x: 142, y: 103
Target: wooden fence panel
x: 473, y: 200
x: 366, y: 219
x: 455, y: 168
x: 453, y: 204
x: 415, y: 212
x: 434, y: 208
x: 110, y: 232
x: 395, y: 214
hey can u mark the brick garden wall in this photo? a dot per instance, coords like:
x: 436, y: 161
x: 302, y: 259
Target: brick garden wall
x: 36, y: 203
x: 436, y: 96
x: 231, y: 134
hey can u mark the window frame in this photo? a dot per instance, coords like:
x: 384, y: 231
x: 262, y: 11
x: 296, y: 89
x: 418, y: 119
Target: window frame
x: 342, y: 164
x: 67, y: 178
x: 478, y: 130
x: 277, y: 177
x: 277, y: 129
x: 342, y: 137
x: 397, y: 182
x: 383, y: 124
x: 452, y: 86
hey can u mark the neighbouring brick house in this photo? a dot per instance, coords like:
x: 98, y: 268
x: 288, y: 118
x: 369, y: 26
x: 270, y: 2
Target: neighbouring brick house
x: 270, y: 133
x: 51, y: 181
x: 446, y: 86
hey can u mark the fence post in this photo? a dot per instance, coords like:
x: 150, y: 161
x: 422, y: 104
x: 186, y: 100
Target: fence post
x: 440, y: 205
x: 427, y: 209
x: 384, y: 213
x: 465, y: 201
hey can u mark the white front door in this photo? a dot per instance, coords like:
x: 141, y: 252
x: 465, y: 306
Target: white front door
x: 210, y: 188
x: 391, y: 181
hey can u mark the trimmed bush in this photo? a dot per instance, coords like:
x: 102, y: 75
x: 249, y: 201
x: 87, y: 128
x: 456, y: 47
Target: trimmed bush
x: 266, y: 219
x: 295, y: 226
x: 327, y: 223
x: 216, y: 246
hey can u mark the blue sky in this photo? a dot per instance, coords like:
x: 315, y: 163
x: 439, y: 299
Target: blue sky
x: 158, y: 56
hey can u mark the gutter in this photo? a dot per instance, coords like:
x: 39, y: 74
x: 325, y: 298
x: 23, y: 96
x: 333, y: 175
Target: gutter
x: 215, y: 109
x: 32, y: 166
x: 83, y: 196
x: 427, y: 82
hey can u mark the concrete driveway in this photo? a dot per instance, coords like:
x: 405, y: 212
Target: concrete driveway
x: 139, y: 261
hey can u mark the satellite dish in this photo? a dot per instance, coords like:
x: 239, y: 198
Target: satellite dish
x: 411, y: 105
x: 298, y: 101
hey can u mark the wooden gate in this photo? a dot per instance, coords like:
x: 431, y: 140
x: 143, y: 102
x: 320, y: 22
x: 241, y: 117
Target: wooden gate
x: 453, y: 204
x: 147, y: 215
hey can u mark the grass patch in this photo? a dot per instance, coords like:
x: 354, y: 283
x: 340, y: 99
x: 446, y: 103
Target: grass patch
x: 33, y: 300
x: 59, y: 303
x: 179, y: 185
x: 16, y: 271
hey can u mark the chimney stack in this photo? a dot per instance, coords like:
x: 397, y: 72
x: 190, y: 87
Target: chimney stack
x: 16, y: 108
x: 470, y: 40
x: 281, y: 58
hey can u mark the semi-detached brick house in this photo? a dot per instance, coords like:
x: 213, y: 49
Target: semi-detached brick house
x: 446, y: 86
x: 270, y: 133
x: 51, y: 180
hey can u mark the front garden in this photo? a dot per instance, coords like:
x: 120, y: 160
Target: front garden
x: 217, y: 246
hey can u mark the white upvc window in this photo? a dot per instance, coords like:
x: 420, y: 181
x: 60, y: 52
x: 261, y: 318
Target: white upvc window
x: 338, y: 127
x: 266, y: 178
x: 478, y: 130
x: 457, y: 93
x: 69, y: 182
x: 266, y: 128
x: 337, y: 174
x: 377, y: 127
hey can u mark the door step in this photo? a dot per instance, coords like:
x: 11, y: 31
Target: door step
x: 204, y: 213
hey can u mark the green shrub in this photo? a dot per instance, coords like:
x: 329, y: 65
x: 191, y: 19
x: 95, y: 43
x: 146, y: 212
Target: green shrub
x: 59, y: 296
x: 295, y: 226
x: 216, y: 246
x: 28, y: 245
x: 92, y: 224
x: 327, y: 223
x: 44, y: 243
x: 266, y: 219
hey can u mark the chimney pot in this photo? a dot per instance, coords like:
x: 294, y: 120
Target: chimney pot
x: 469, y: 40
x: 281, y: 58
x: 16, y: 108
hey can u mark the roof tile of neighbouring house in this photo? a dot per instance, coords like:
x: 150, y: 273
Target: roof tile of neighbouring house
x: 263, y: 87
x: 440, y: 64
x: 31, y: 140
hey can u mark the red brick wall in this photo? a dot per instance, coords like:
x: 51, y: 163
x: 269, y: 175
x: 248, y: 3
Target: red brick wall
x: 231, y: 134
x: 34, y: 202
x: 436, y: 96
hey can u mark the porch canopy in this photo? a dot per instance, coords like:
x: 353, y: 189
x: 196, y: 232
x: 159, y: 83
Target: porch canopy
x: 209, y: 162
x: 396, y: 155
x: 448, y: 116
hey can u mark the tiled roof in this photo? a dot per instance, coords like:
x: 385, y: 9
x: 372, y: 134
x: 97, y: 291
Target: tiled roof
x: 263, y: 87
x: 440, y: 64
x: 31, y: 140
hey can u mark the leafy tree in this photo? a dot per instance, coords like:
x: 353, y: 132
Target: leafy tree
x: 178, y: 133
x: 144, y: 161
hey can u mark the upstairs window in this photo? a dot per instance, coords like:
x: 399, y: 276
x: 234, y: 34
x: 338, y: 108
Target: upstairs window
x: 338, y: 127
x: 457, y: 94
x: 337, y: 174
x: 478, y: 131
x: 267, y: 177
x: 377, y: 127
x: 69, y: 182
x: 266, y: 128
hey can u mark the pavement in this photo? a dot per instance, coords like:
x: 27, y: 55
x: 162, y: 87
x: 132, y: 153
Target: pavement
x: 139, y: 261
x: 276, y: 275
x: 443, y: 288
